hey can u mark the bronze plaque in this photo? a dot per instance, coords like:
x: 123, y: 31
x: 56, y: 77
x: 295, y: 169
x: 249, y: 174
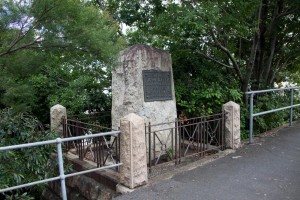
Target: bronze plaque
x: 157, y: 85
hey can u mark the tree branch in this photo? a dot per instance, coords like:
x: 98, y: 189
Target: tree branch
x: 10, y: 50
x: 214, y: 60
x: 57, y: 78
x: 20, y: 35
x: 286, y: 13
x: 227, y: 52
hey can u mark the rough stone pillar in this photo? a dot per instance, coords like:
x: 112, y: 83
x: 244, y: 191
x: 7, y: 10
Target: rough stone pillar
x: 142, y: 83
x: 232, y: 125
x: 133, y: 172
x: 57, y: 113
x: 129, y: 79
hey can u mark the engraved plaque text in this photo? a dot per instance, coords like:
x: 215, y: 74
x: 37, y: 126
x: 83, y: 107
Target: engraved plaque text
x: 157, y: 85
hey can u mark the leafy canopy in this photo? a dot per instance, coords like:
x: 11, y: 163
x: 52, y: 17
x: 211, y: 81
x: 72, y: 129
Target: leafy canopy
x: 56, y: 51
x: 220, y: 49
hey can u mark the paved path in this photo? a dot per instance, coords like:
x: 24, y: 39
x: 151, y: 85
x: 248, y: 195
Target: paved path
x: 269, y: 169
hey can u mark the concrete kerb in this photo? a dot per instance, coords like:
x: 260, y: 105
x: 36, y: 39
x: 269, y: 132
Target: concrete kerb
x: 187, y: 167
x: 121, y: 189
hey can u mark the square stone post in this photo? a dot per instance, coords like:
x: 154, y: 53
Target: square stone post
x: 133, y: 172
x: 57, y: 113
x: 232, y: 125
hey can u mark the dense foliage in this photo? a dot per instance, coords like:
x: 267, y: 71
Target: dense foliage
x: 51, y: 51
x: 255, y: 40
x: 61, y: 51
x: 56, y: 52
x: 24, y: 165
x: 220, y: 49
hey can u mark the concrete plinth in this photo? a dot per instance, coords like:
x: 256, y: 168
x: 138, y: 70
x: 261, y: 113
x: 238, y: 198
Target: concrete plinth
x: 57, y: 113
x: 232, y: 125
x: 133, y: 172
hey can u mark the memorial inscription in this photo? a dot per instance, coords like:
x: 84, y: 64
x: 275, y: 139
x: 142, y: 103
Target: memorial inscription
x: 157, y: 85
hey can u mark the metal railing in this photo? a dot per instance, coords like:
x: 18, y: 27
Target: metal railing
x: 173, y: 141
x: 252, y: 115
x: 62, y: 174
x: 98, y: 118
x: 99, y: 150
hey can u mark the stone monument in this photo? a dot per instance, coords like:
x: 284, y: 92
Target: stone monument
x: 143, y: 84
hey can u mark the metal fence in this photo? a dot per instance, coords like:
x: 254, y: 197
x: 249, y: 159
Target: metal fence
x: 99, y: 118
x: 101, y: 150
x: 252, y: 115
x: 182, y: 138
x: 62, y: 174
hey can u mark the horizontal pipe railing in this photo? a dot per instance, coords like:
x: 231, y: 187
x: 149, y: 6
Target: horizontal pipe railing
x: 275, y: 110
x: 252, y: 115
x: 30, y: 184
x: 271, y: 90
x: 62, y: 176
x: 35, y: 144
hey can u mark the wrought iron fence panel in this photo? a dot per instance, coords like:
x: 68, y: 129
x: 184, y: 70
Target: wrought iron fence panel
x: 98, y: 118
x: 166, y: 148
x: 183, y: 138
x: 102, y: 150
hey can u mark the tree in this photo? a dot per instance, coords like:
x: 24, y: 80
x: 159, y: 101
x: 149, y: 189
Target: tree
x: 54, y: 51
x: 57, y: 24
x: 254, y: 40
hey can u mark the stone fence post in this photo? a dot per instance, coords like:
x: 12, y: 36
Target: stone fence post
x: 232, y: 125
x: 133, y: 172
x: 57, y: 113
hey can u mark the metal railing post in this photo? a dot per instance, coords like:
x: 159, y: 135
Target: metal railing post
x: 176, y: 138
x: 149, y: 132
x: 251, y: 118
x: 291, y: 104
x: 61, y: 176
x: 61, y: 169
x: 290, y: 107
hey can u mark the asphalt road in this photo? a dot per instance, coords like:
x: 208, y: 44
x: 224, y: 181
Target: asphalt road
x: 266, y: 170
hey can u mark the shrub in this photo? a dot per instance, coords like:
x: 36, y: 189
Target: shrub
x: 23, y: 165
